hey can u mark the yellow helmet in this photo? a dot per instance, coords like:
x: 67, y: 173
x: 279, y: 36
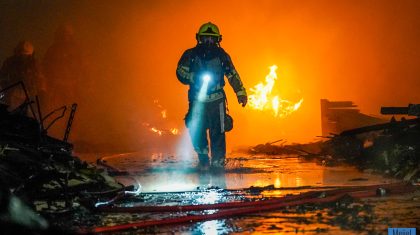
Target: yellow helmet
x: 209, y: 29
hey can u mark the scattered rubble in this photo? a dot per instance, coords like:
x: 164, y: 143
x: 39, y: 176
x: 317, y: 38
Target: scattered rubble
x: 39, y: 174
x: 48, y: 190
x: 390, y: 148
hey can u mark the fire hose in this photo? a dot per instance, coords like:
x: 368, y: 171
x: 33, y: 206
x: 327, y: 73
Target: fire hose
x: 243, y: 208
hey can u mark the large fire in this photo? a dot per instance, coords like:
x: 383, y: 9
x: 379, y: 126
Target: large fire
x: 262, y: 98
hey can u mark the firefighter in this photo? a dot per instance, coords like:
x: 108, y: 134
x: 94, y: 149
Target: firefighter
x: 203, y: 68
x: 64, y: 67
x: 22, y: 66
x: 67, y: 72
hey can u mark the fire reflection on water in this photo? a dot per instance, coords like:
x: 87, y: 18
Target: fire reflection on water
x: 163, y: 173
x: 277, y: 182
x: 175, y: 173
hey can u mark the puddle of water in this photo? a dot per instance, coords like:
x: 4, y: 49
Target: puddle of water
x: 167, y: 173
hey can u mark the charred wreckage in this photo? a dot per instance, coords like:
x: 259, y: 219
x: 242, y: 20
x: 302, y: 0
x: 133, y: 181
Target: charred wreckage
x: 391, y: 148
x: 38, y: 172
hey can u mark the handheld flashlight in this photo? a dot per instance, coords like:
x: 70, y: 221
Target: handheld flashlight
x: 204, y: 86
x: 206, y: 77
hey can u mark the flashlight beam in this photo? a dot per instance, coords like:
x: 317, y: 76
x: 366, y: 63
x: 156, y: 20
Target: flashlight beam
x: 204, y: 87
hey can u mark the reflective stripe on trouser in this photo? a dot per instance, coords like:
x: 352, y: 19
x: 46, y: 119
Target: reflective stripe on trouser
x: 203, y: 116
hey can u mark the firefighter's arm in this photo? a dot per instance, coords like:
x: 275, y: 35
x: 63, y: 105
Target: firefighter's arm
x: 183, y: 71
x: 235, y: 81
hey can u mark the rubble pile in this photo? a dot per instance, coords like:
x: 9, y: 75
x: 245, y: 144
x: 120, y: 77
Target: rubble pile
x: 395, y: 152
x: 41, y: 171
x: 391, y: 148
x: 273, y: 148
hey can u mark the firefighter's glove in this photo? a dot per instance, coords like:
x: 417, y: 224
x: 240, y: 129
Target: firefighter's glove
x: 243, y: 99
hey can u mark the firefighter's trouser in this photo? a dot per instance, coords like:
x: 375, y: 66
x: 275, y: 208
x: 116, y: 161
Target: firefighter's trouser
x: 203, y: 116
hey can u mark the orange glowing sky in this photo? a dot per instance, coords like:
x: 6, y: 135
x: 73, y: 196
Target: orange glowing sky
x: 364, y: 51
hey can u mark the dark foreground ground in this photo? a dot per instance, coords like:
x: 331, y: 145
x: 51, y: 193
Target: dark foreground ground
x: 169, y: 180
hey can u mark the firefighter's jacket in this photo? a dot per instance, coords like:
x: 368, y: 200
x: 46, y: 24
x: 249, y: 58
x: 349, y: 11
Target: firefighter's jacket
x: 208, y: 60
x: 21, y: 68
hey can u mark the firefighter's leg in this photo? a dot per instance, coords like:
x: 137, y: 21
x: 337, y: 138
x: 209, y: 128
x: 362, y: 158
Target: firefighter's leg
x: 217, y: 133
x: 200, y: 145
x: 196, y: 123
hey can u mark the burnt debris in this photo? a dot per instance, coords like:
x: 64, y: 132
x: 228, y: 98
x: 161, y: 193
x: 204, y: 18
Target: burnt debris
x: 40, y: 172
x: 391, y: 148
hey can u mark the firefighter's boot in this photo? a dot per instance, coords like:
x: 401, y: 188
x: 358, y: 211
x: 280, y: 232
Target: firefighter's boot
x: 218, y: 163
x: 203, y: 162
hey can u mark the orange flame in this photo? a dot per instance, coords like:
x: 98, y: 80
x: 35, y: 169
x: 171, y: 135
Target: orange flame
x: 163, y: 115
x: 174, y: 131
x: 159, y: 132
x: 262, y: 99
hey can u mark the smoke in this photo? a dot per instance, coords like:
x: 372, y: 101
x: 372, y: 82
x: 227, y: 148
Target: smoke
x: 364, y: 51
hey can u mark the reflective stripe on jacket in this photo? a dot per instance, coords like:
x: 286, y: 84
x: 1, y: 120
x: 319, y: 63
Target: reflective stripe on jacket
x: 213, y: 61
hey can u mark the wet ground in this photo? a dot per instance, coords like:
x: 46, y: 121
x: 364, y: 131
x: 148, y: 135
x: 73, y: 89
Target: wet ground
x: 169, y: 180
